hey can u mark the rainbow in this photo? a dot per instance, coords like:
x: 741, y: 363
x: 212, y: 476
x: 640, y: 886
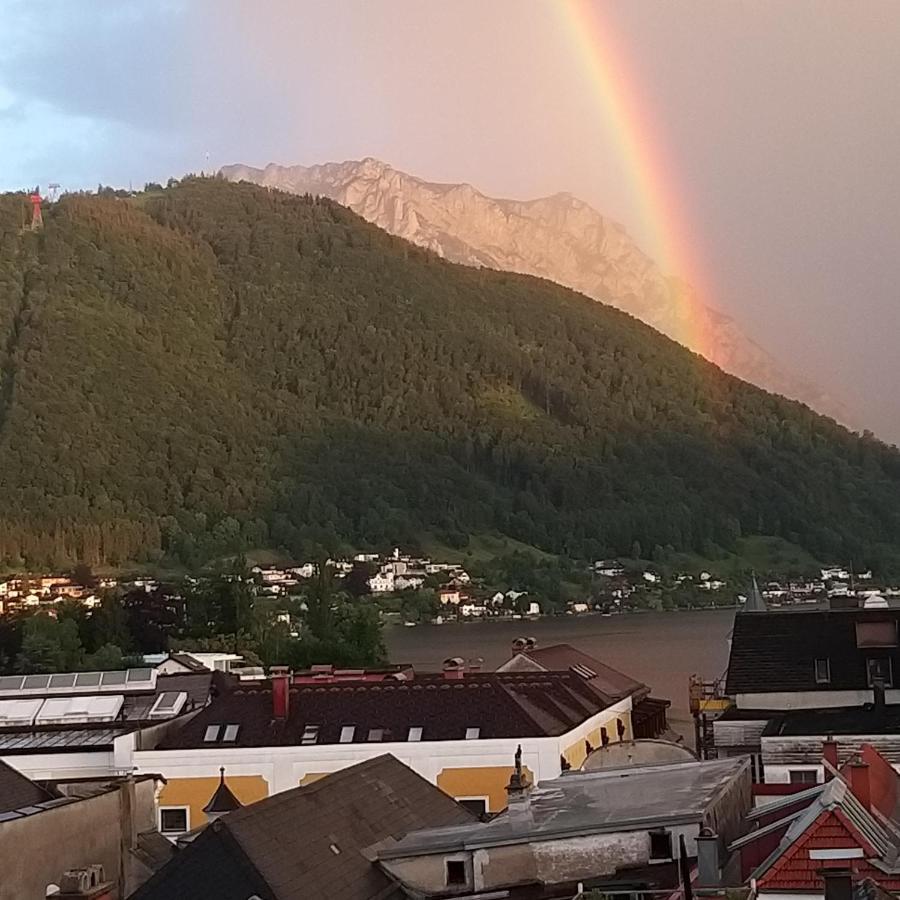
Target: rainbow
x: 630, y: 125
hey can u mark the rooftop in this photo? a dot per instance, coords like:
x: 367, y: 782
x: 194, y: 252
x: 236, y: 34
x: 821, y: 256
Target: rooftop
x: 308, y: 842
x: 57, y: 720
x: 426, y: 708
x: 777, y: 651
x: 565, y: 658
x: 581, y: 803
x: 855, y: 720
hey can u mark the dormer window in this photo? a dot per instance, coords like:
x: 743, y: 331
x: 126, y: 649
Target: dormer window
x: 823, y: 671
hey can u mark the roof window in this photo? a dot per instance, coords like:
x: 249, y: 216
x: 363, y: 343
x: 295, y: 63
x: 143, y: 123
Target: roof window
x: 376, y: 734
x: 472, y: 734
x: 415, y: 733
x: 310, y: 734
x: 231, y: 733
x: 823, y: 671
x: 584, y: 671
x: 212, y: 733
x: 347, y: 734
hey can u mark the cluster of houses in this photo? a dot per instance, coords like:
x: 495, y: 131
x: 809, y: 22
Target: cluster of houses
x: 44, y: 592
x: 553, y: 777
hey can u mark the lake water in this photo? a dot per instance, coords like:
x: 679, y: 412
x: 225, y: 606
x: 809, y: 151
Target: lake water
x: 660, y: 649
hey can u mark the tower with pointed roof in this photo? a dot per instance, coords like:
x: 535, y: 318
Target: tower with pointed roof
x: 222, y: 801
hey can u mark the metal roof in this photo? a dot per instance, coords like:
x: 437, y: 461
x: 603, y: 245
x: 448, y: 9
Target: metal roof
x: 584, y: 803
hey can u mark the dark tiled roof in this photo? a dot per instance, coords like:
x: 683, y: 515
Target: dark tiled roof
x: 776, y: 651
x: 307, y: 843
x: 500, y: 705
x: 562, y: 657
x: 856, y: 720
x: 17, y: 791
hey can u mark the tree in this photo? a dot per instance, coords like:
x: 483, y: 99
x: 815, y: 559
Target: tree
x: 356, y: 582
x: 49, y: 645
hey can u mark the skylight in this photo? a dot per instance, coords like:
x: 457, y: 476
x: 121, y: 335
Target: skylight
x: 212, y: 733
x: 114, y: 682
x: 415, y: 733
x: 376, y: 734
x: 310, y: 734
x: 347, y: 733
x: 231, y: 733
x: 167, y: 704
x: 64, y: 710
x: 584, y: 671
x: 472, y: 734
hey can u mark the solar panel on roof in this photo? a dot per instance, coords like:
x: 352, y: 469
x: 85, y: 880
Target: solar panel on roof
x: 11, y: 682
x: 140, y: 674
x: 19, y: 712
x: 33, y: 682
x: 87, y: 679
x: 113, y: 678
x: 63, y: 710
x: 62, y: 681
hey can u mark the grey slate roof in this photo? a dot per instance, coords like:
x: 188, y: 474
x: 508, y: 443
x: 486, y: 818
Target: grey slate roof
x: 307, y: 843
x: 16, y: 790
x: 776, y: 651
x: 583, y: 803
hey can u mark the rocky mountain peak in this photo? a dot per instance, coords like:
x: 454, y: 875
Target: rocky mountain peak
x: 559, y: 237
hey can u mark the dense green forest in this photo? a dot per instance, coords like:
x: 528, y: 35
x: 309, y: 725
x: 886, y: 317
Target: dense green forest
x: 211, y: 367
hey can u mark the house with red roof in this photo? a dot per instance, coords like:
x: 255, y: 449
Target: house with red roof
x: 849, y: 824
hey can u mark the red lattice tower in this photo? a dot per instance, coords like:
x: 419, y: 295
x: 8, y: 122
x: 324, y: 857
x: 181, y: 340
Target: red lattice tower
x: 37, y: 220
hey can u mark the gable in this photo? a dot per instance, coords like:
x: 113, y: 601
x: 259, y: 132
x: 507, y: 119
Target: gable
x: 795, y: 870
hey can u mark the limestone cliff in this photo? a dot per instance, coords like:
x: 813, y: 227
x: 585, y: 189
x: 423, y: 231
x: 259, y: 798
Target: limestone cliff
x: 560, y: 238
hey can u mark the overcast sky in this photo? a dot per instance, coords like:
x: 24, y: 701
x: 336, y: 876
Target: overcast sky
x: 780, y: 124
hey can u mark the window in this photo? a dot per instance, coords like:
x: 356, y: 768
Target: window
x: 620, y: 728
x: 231, y: 732
x: 173, y: 819
x: 876, y: 634
x: 212, y: 733
x: 477, y: 805
x: 472, y: 734
x: 347, y: 733
x: 376, y: 734
x: 878, y: 668
x: 456, y: 871
x: 604, y: 737
x: 415, y: 733
x: 823, y: 671
x: 660, y: 845
x: 803, y: 776
x: 310, y: 734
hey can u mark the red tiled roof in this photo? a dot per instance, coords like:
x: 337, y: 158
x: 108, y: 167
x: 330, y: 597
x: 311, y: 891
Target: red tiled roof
x: 795, y: 871
x: 500, y: 705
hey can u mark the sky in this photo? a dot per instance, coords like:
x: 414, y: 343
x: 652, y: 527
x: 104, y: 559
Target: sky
x: 776, y: 126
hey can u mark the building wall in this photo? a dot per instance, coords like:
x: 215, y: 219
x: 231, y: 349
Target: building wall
x: 37, y: 849
x: 548, y: 862
x: 479, y: 781
x: 782, y: 754
x: 282, y: 768
x: 809, y: 699
x: 195, y: 793
x: 63, y: 766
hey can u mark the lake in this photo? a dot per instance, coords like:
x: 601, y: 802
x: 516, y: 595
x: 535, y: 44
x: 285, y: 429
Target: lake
x: 662, y: 649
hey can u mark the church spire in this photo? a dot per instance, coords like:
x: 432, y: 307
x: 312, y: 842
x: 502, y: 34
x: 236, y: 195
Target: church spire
x: 755, y: 602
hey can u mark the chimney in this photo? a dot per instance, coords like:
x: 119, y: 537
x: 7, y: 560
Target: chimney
x: 518, y: 797
x: 709, y: 871
x: 281, y: 691
x: 859, y: 782
x: 85, y: 884
x: 454, y: 668
x: 829, y: 758
x: 838, y: 884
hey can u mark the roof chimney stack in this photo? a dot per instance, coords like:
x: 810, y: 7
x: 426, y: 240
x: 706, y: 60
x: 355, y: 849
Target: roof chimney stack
x: 85, y: 884
x: 829, y: 758
x: 860, y: 784
x: 709, y: 869
x: 281, y: 691
x: 518, y: 797
x: 454, y: 668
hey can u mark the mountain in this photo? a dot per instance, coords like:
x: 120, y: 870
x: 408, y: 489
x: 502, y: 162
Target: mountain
x: 212, y: 367
x: 559, y: 238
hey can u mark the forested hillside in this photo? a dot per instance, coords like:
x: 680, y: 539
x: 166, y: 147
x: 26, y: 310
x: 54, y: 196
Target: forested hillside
x: 212, y: 367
